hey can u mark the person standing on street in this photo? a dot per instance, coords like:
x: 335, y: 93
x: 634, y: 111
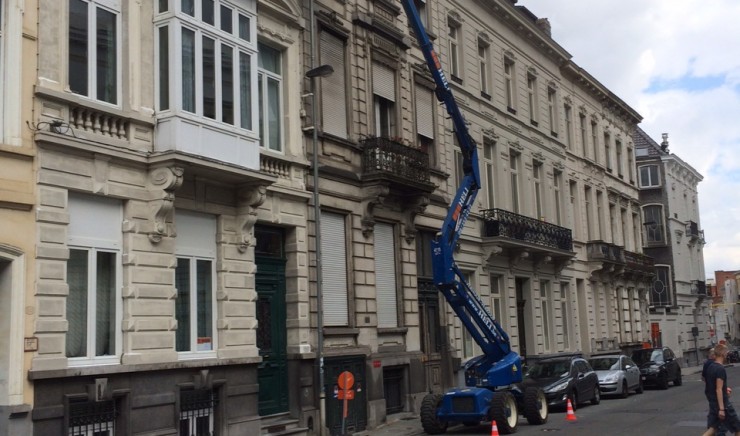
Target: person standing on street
x: 720, y: 408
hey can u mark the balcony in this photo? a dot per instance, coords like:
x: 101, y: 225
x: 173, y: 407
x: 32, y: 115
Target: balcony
x: 605, y: 259
x: 404, y: 169
x: 638, y: 266
x: 524, y: 237
x: 699, y: 287
x: 693, y: 232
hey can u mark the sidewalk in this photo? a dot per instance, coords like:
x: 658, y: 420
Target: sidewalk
x: 408, y: 424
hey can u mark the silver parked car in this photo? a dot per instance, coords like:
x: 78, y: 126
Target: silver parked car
x: 618, y: 374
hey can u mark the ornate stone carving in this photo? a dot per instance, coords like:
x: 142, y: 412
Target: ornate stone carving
x: 250, y: 198
x: 417, y: 206
x: 374, y: 196
x: 517, y: 257
x: 491, y: 250
x: 164, y: 182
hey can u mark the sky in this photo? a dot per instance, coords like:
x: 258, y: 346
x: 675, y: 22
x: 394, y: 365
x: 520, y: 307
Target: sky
x: 677, y: 63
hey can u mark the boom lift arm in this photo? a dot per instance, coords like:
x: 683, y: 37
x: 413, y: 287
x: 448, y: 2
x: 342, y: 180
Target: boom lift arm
x: 499, y: 365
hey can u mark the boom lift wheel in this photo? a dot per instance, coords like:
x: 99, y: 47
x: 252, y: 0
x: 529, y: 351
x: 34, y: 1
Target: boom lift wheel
x: 535, y: 406
x: 429, y: 421
x: 504, y: 411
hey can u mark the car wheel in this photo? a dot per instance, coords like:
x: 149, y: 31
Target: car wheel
x: 663, y: 381
x: 678, y: 381
x: 625, y: 390
x: 597, y: 396
x: 639, y: 389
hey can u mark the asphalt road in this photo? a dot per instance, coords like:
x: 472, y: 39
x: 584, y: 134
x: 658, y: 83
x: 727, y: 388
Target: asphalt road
x: 677, y: 411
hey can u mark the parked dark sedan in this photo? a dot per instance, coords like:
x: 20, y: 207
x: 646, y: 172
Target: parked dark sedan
x: 564, y: 378
x: 658, y: 367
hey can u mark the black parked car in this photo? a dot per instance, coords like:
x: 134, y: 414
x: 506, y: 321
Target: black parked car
x: 658, y: 366
x: 733, y: 356
x: 563, y: 378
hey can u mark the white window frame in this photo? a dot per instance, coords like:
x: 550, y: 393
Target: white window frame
x: 545, y: 294
x: 510, y: 83
x: 668, y: 284
x: 175, y: 20
x: 608, y: 150
x: 114, y: 7
x: 584, y: 134
x: 587, y: 194
x: 263, y: 77
x: 489, y: 165
x: 514, y: 164
x: 618, y: 150
x: 650, y: 182
x: 552, y: 110
x: 648, y: 227
x: 537, y: 170
x: 600, y: 231
x: 565, y: 314
x: 498, y: 300
x: 483, y: 68
x: 557, y: 181
x: 198, y: 246
x: 595, y: 139
x: 92, y: 243
x: 630, y: 165
x: 568, y: 113
x: 384, y: 100
x: 532, y: 99
x: 453, y: 31
x: 421, y: 7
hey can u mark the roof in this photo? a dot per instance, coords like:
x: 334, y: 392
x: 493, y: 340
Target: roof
x: 644, y: 141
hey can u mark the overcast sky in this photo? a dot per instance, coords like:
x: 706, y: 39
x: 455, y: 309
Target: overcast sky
x: 677, y: 63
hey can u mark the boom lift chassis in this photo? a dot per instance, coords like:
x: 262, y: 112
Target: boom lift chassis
x: 490, y: 392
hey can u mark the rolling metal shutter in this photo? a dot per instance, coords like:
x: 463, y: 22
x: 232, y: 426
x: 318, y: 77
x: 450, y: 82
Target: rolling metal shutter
x: 333, y: 87
x: 384, y: 82
x: 334, y: 270
x: 385, y: 276
x: 424, y: 112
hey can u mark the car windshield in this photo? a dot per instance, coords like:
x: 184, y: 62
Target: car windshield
x: 549, y: 369
x: 642, y: 356
x: 604, y: 363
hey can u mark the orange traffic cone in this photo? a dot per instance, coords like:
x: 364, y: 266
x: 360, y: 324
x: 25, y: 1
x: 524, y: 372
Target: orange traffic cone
x: 494, y: 429
x: 570, y: 416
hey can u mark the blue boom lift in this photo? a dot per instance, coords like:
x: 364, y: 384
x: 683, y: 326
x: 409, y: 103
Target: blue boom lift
x: 491, y: 393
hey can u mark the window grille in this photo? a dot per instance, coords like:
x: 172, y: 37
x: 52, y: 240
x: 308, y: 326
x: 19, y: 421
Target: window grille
x: 91, y: 418
x: 196, y: 412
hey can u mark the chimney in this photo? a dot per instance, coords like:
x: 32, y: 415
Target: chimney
x: 664, y: 144
x: 544, y: 25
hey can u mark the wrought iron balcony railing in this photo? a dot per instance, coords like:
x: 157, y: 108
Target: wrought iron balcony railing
x: 386, y: 157
x: 499, y: 222
x: 699, y: 287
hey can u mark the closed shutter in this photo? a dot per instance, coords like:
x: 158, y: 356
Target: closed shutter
x: 333, y: 91
x: 424, y: 112
x: 196, y: 233
x: 333, y: 270
x: 384, y: 82
x: 94, y: 221
x: 385, y: 275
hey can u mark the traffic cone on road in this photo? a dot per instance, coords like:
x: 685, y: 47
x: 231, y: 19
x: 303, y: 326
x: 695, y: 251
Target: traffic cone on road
x: 570, y: 416
x: 494, y: 429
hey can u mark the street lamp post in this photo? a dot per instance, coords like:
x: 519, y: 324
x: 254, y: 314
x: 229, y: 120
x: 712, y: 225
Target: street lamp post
x: 314, y: 73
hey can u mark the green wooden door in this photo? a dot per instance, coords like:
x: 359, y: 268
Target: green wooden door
x: 271, y: 335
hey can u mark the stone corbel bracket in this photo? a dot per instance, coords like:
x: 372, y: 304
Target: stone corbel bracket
x: 489, y: 251
x: 250, y: 198
x: 417, y: 206
x: 517, y: 257
x: 539, y: 261
x: 374, y: 196
x: 164, y: 182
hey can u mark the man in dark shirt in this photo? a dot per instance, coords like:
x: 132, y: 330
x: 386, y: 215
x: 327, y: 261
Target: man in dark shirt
x: 720, y: 408
x: 710, y: 360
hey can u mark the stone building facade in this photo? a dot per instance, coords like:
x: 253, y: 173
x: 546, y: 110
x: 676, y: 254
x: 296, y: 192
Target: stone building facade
x: 173, y: 283
x: 553, y: 245
x: 680, y: 306
x: 17, y: 200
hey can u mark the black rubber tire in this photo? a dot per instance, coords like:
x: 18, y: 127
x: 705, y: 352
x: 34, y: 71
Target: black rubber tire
x: 640, y: 389
x: 504, y: 411
x: 679, y: 380
x: 663, y: 382
x: 535, y: 406
x: 597, y: 396
x: 625, y: 389
x: 429, y: 421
